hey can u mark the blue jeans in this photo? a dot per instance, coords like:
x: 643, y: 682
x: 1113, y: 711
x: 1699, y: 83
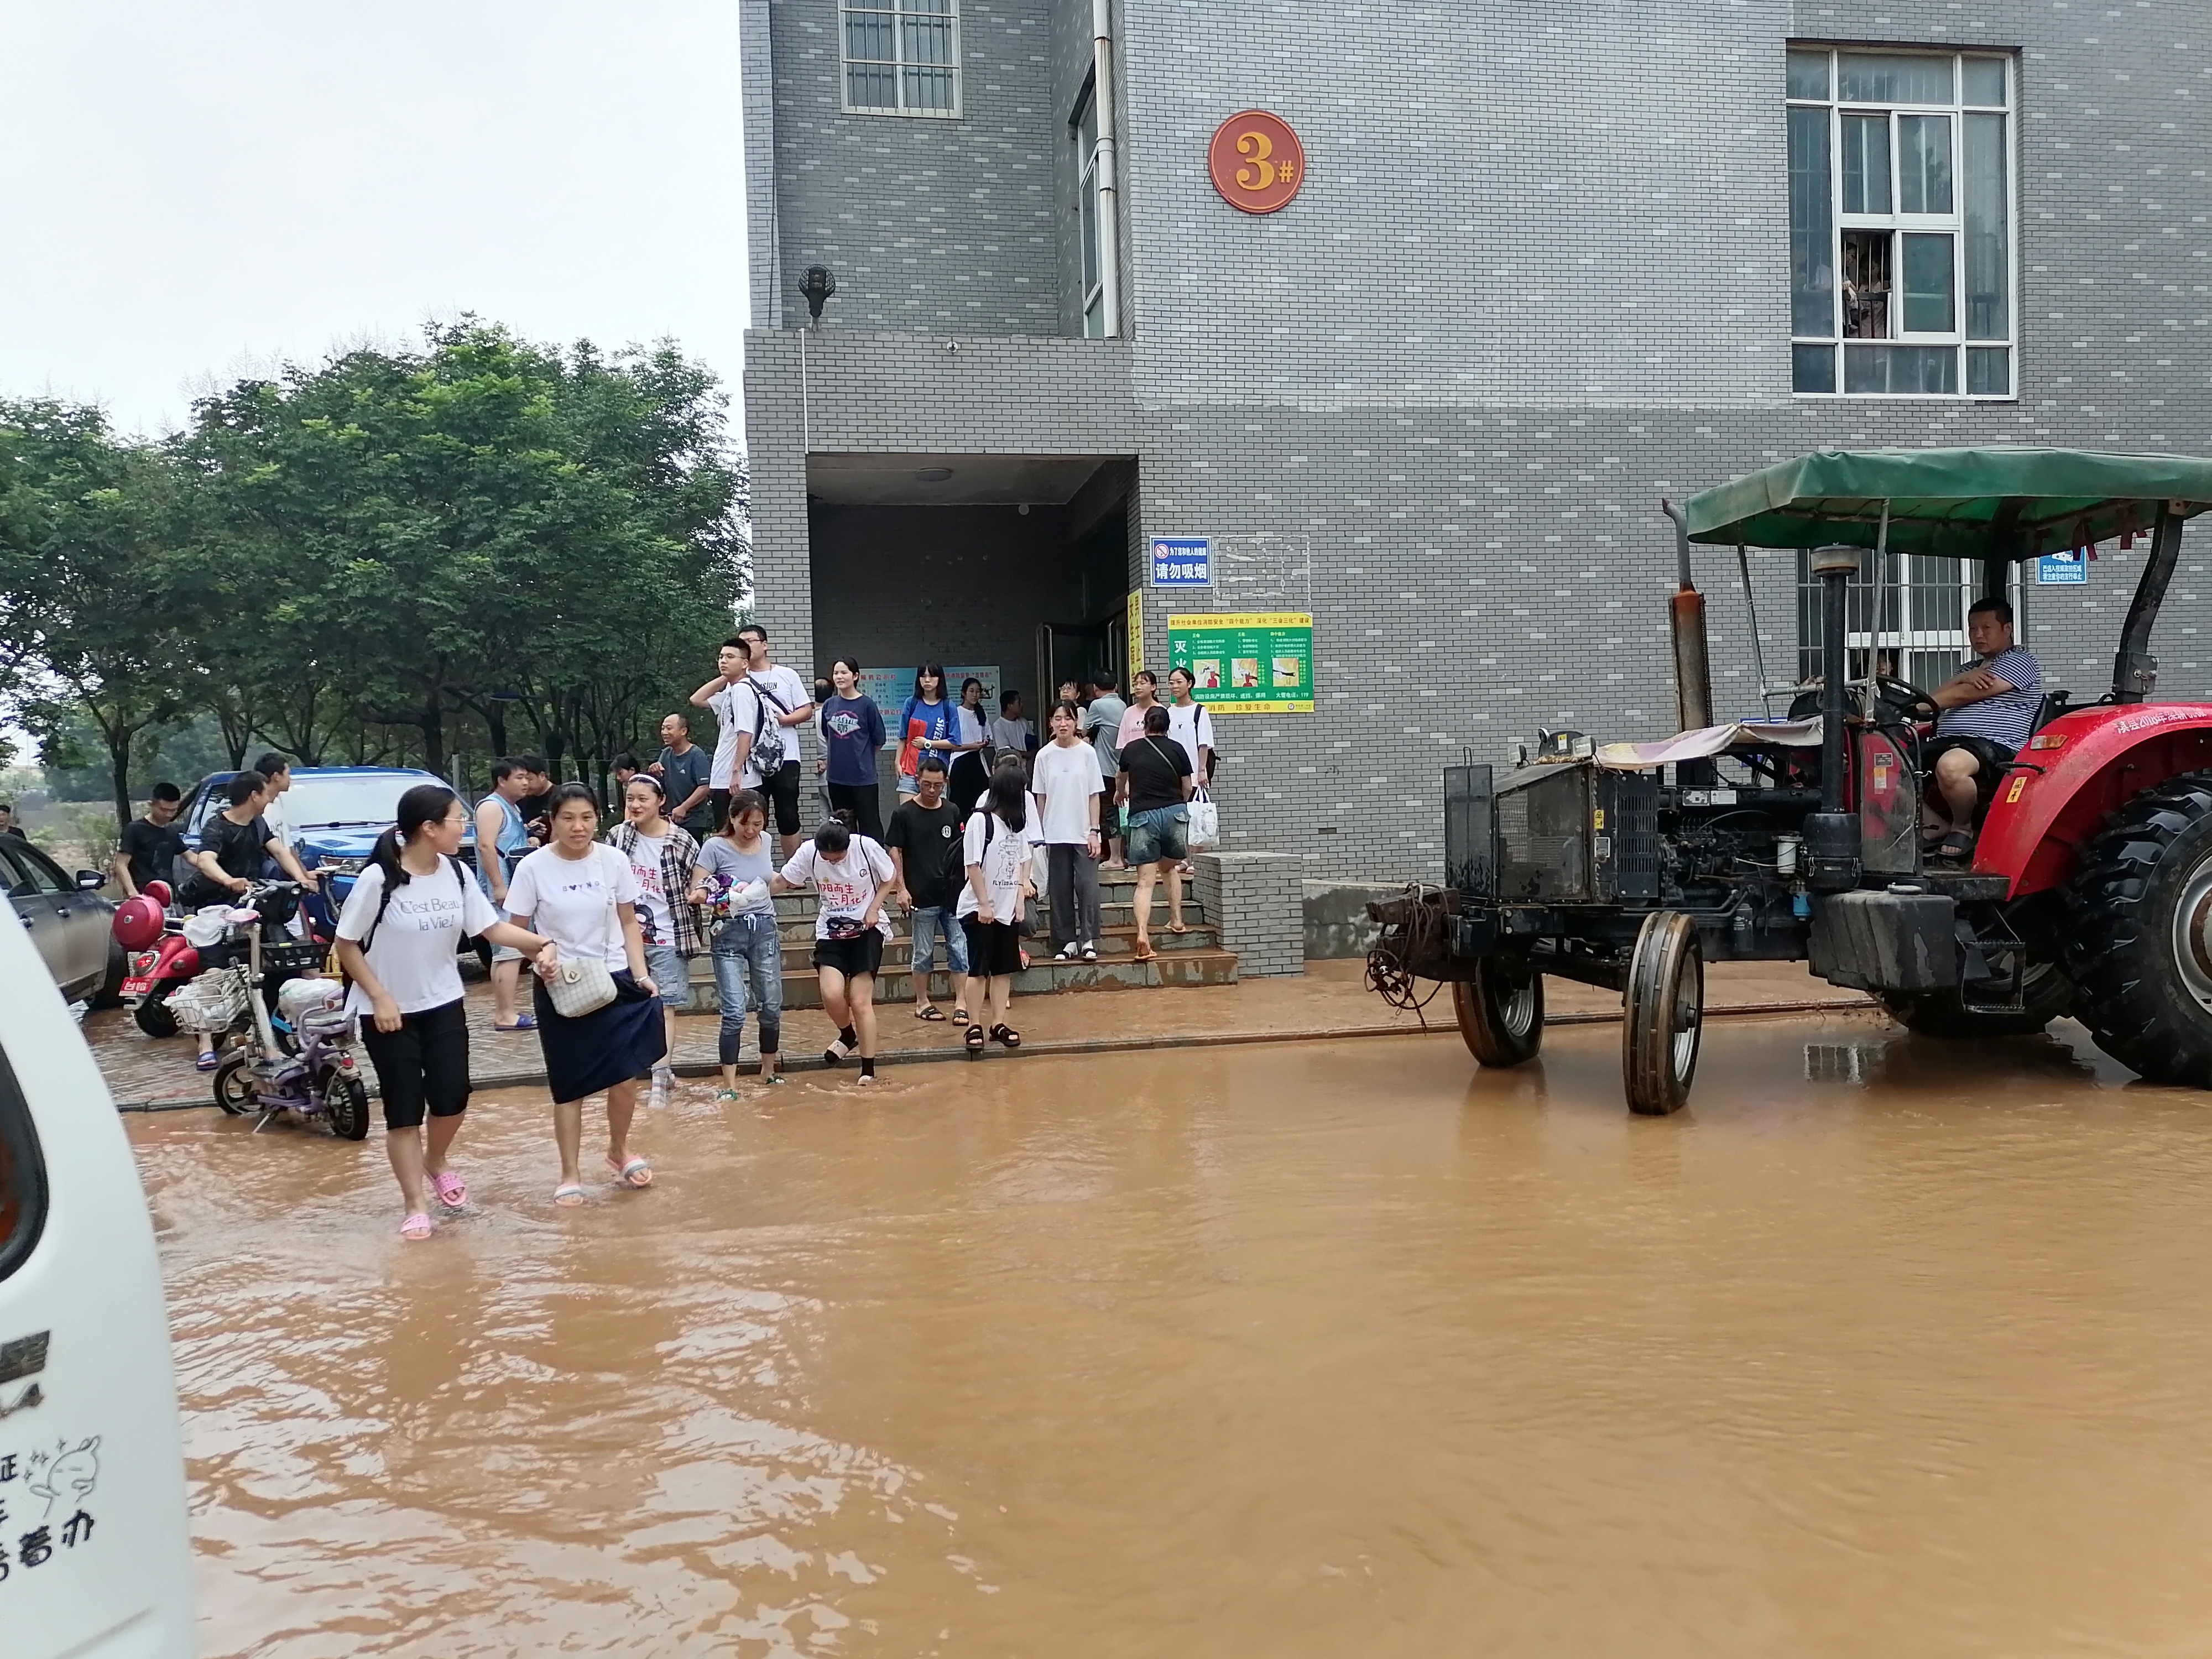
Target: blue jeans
x: 930, y: 925
x: 749, y: 956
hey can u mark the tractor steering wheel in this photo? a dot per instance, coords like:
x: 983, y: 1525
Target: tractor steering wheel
x: 1908, y: 701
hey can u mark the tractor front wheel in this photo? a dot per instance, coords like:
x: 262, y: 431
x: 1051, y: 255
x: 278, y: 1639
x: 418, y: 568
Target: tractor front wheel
x: 1662, y: 1014
x: 1501, y: 1011
x: 2140, y: 952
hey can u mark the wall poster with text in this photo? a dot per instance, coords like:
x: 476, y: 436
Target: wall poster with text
x: 1252, y: 662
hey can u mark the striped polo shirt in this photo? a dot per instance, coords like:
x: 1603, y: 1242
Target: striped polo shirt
x: 2007, y: 719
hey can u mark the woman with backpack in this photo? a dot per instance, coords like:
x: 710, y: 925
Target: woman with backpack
x: 928, y: 724
x: 397, y: 939
x: 996, y: 851
x: 854, y: 880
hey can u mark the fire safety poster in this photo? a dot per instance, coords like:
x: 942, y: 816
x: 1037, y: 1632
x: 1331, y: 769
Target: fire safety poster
x: 1258, y: 662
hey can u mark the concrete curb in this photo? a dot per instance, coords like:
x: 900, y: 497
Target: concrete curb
x: 512, y: 1079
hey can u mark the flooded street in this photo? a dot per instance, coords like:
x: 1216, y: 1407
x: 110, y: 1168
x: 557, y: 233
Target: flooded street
x: 1881, y: 1347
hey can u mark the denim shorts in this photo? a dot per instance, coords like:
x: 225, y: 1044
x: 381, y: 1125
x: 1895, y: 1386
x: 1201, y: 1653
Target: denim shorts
x: 1163, y: 832
x: 671, y: 974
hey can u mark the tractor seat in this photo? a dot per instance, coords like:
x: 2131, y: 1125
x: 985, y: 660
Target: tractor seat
x: 2054, y: 704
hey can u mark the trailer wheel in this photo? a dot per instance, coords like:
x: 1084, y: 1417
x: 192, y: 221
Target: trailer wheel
x: 2140, y: 955
x: 1662, y: 1014
x: 2045, y: 995
x: 1501, y: 1011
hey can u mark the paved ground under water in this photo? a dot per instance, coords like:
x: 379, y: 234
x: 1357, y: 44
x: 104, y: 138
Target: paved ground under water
x: 1882, y: 1348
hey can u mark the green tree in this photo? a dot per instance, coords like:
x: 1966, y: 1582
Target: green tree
x: 88, y: 605
x: 483, y: 528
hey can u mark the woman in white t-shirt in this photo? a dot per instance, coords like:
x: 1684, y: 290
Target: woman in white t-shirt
x: 1069, y: 784
x: 853, y: 880
x: 582, y: 895
x: 397, y: 936
x: 996, y: 851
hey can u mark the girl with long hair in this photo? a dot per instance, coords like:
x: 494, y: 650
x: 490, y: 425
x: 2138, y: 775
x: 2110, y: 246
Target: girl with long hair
x: 996, y: 851
x: 971, y: 772
x: 398, y: 937
x: 853, y: 733
x: 928, y: 724
x: 736, y: 868
x: 582, y: 894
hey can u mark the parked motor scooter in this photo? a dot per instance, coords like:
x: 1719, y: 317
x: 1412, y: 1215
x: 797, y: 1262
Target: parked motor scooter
x: 308, y: 1071
x: 161, y: 958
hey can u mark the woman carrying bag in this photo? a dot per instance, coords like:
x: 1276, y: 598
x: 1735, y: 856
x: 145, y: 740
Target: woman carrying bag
x: 398, y: 937
x: 996, y: 854
x: 599, y: 1009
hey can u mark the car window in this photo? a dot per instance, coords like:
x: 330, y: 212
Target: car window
x: 13, y: 875
x: 22, y: 1176
x: 35, y: 872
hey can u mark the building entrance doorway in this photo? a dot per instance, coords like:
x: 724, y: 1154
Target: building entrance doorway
x: 1015, y: 567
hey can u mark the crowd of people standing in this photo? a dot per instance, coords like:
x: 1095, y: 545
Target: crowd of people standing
x: 992, y: 830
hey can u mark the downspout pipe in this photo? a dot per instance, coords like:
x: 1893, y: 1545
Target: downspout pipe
x: 1109, y: 190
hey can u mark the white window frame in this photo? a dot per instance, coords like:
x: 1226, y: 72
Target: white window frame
x: 898, y: 11
x: 1089, y: 250
x: 1899, y: 224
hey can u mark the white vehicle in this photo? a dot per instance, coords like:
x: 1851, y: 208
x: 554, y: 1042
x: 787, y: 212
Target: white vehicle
x: 95, y: 1549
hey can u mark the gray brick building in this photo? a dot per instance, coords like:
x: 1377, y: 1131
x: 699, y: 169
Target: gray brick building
x: 1547, y: 263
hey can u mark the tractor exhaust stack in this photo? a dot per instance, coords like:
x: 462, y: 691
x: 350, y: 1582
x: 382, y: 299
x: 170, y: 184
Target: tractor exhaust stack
x: 1694, y: 677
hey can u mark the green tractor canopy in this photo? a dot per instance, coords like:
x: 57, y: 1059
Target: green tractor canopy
x: 1955, y: 503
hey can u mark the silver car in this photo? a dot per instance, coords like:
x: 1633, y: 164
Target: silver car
x: 67, y: 919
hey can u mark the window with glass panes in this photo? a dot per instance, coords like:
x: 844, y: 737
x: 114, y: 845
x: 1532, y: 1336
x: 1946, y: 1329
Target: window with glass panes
x: 901, y: 56
x: 1906, y: 619
x: 1901, y: 261
x: 1094, y: 286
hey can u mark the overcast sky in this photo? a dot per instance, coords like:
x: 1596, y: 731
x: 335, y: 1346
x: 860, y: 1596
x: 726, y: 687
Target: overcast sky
x: 191, y: 190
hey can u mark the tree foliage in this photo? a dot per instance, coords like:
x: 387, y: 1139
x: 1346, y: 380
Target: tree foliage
x: 484, y: 542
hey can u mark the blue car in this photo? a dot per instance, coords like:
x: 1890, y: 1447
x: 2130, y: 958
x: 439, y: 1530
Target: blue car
x: 334, y: 815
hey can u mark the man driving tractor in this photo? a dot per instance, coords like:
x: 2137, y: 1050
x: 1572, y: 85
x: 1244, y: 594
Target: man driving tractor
x: 1988, y: 712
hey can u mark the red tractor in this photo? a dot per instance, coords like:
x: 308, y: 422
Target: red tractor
x: 2088, y: 889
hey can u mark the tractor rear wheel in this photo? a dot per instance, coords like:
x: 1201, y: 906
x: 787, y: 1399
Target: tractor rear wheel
x: 2141, y: 951
x: 1662, y: 1014
x: 2045, y: 994
x: 1501, y: 1011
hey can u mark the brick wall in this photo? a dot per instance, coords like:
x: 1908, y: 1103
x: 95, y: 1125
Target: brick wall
x: 1256, y: 904
x: 1535, y: 281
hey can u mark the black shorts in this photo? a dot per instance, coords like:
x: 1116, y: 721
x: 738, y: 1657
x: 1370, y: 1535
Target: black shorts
x: 424, y: 1063
x: 1991, y: 758
x: 863, y: 953
x: 993, y: 948
x: 782, y: 793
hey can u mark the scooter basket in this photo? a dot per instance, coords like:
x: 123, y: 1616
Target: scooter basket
x: 214, y: 1002
x: 293, y: 957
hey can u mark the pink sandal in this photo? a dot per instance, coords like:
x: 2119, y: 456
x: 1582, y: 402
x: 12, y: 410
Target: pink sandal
x: 633, y: 1173
x: 453, y: 1191
x: 417, y: 1226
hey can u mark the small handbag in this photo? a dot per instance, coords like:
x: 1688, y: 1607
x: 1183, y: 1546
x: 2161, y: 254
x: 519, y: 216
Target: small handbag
x: 581, y: 986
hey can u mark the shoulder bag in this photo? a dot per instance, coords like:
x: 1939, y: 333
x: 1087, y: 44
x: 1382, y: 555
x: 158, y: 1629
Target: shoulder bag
x: 582, y: 986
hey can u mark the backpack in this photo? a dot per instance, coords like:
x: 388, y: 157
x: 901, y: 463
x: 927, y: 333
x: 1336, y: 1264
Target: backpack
x: 769, y: 751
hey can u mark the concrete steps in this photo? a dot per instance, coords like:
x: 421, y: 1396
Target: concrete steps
x: 1194, y: 957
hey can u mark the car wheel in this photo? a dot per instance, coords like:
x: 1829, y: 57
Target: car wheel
x: 110, y: 993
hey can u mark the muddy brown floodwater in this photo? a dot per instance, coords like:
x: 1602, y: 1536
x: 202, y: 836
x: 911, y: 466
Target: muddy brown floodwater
x: 1883, y: 1347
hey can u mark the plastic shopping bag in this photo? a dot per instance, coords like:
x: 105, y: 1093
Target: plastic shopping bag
x: 1204, y: 823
